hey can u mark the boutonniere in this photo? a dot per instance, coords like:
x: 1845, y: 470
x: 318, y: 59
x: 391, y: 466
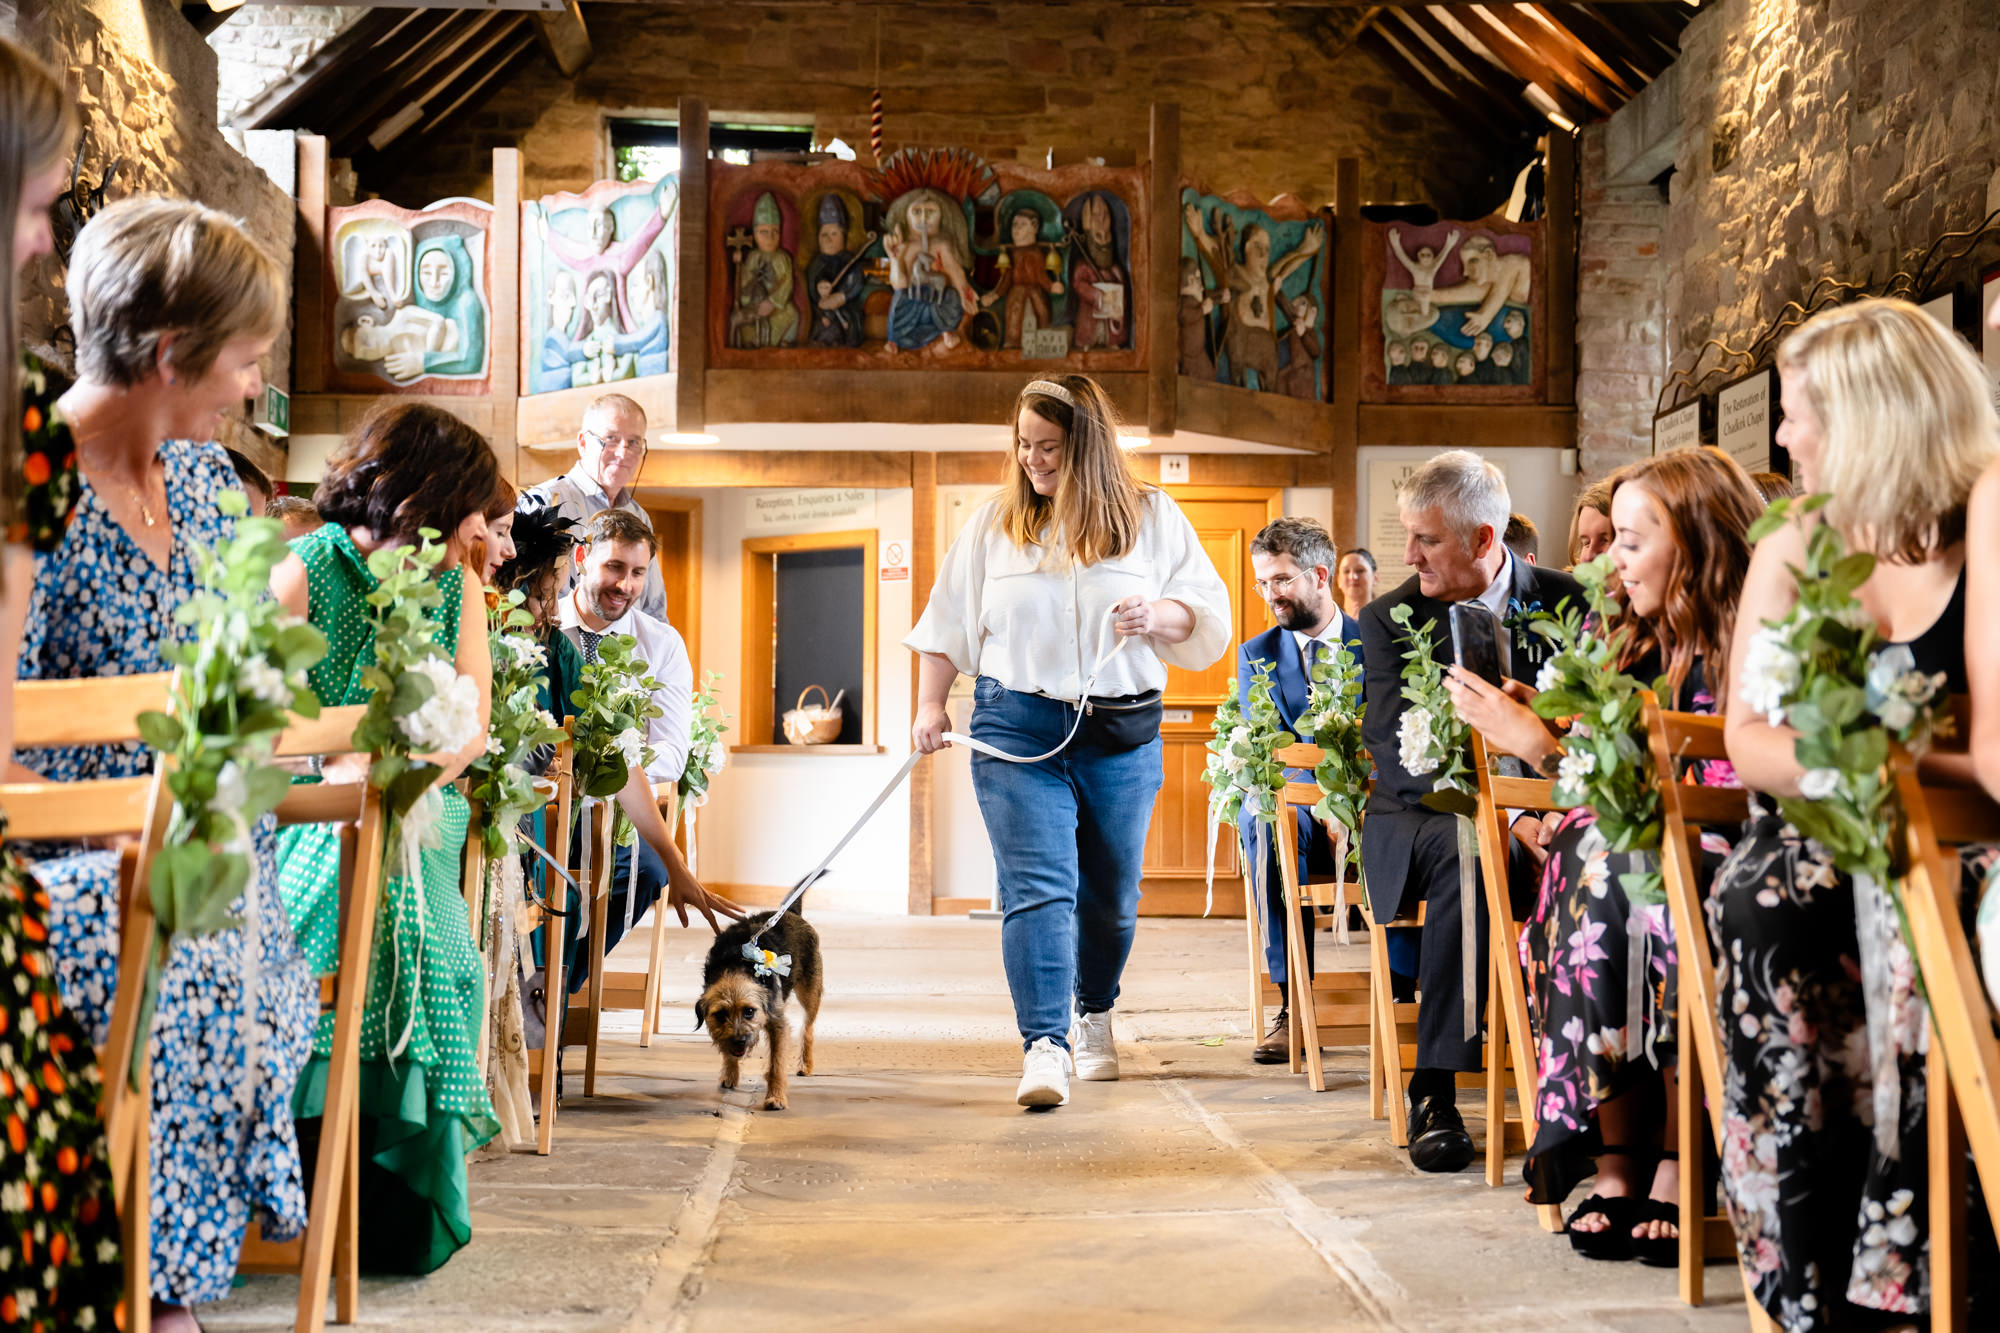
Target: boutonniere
x: 1519, y: 620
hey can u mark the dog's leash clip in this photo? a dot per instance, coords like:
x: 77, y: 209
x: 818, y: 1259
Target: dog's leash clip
x: 767, y: 963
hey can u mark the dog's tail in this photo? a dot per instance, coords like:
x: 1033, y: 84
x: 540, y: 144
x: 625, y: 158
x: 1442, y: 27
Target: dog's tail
x: 798, y: 907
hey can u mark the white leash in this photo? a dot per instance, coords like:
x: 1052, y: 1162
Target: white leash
x: 1118, y: 642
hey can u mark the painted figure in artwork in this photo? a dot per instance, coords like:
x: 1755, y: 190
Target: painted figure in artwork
x: 1028, y: 276
x: 382, y: 273
x: 1300, y: 376
x: 1196, y: 302
x: 1424, y: 268
x: 929, y: 252
x: 445, y: 289
x: 603, y: 248
x: 836, y: 280
x: 646, y: 290
x: 1100, y: 284
x: 1492, y: 280
x: 764, y: 315
x: 1250, y: 340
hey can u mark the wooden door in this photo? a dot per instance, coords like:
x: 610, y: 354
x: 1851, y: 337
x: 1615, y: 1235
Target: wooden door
x: 1225, y: 519
x: 677, y: 524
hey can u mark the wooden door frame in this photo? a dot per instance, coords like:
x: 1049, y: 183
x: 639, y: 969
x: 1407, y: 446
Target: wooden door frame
x: 690, y: 625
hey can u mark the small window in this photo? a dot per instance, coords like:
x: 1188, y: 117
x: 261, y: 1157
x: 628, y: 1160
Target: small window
x: 809, y: 619
x: 650, y: 149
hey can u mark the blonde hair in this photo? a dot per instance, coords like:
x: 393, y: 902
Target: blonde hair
x: 149, y: 266
x: 1595, y: 496
x: 1905, y: 421
x: 1098, y: 505
x: 37, y: 127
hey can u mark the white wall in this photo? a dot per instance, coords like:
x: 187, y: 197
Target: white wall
x: 1534, y: 478
x: 772, y: 816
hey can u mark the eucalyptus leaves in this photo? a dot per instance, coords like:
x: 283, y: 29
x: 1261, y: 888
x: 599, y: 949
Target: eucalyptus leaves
x: 499, y: 778
x: 706, y: 753
x: 1823, y: 670
x: 240, y: 680
x: 613, y: 702
x: 1430, y: 736
x: 1332, y: 721
x: 1605, y: 763
x: 1242, y: 773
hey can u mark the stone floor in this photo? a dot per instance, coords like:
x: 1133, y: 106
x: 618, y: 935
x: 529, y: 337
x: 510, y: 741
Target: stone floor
x: 905, y: 1190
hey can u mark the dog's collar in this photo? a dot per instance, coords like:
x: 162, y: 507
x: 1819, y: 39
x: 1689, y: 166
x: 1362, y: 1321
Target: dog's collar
x: 766, y: 963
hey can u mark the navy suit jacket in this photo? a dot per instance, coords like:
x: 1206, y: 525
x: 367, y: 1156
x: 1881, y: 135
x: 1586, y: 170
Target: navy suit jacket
x: 1290, y: 690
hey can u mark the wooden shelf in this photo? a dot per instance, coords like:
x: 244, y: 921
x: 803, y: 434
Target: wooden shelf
x: 807, y: 749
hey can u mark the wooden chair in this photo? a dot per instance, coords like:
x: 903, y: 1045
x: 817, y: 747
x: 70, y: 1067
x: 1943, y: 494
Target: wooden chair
x: 558, y: 786
x: 1510, y: 1041
x: 668, y: 794
x: 1329, y: 1006
x: 1964, y: 1061
x: 1673, y: 739
x: 102, y: 711
x: 329, y: 1247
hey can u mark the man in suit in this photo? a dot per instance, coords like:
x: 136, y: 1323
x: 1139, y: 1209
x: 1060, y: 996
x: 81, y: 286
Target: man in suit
x: 1294, y: 560
x: 1454, y: 510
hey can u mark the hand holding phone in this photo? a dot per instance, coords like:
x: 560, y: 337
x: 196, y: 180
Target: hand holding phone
x: 1475, y: 641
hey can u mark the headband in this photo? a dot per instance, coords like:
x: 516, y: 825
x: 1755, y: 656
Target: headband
x: 1050, y: 389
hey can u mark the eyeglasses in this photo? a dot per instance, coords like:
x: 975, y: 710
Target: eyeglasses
x: 618, y: 445
x: 1268, y: 588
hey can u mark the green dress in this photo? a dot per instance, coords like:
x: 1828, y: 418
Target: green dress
x: 426, y: 1107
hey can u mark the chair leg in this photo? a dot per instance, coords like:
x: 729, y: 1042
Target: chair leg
x: 656, y: 966
x: 1946, y: 1130
x: 1305, y: 1010
x: 1496, y: 1088
x: 1389, y: 1034
x: 554, y: 987
x: 1256, y: 963
x: 600, y: 916
x: 1689, y: 1143
x: 1375, y: 1109
x: 347, y: 1239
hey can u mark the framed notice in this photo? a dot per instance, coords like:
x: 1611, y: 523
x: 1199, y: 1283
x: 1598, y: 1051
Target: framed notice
x: 1744, y: 421
x: 1989, y: 297
x: 1677, y: 428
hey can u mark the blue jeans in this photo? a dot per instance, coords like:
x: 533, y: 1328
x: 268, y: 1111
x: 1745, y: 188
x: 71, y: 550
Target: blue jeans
x: 652, y: 878
x: 1069, y: 836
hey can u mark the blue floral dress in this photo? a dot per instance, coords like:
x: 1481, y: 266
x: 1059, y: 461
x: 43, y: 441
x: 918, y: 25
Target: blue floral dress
x: 101, y: 607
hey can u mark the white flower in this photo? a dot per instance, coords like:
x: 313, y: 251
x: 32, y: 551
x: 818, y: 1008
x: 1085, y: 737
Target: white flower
x: 1816, y: 784
x: 493, y: 746
x: 231, y: 793
x: 264, y: 681
x: 630, y: 746
x: 1550, y: 677
x: 526, y: 651
x: 1897, y: 713
x: 449, y: 719
x: 718, y: 758
x: 1416, y: 742
x: 1576, y: 765
x: 545, y: 719
x: 1771, y: 672
x: 1240, y: 736
x: 1234, y: 764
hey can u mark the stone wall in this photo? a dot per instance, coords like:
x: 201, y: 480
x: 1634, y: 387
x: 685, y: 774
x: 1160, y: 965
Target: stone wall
x: 1620, y: 323
x: 259, y: 45
x: 1822, y: 138
x: 145, y: 83
x: 1270, y: 97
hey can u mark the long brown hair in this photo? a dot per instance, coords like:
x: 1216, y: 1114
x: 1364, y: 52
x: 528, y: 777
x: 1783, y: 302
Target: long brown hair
x: 1709, y: 503
x: 1098, y: 505
x: 38, y: 125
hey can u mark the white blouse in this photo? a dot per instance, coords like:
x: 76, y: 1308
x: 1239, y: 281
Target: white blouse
x: 996, y: 611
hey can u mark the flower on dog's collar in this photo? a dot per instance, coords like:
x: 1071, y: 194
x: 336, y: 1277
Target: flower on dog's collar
x: 767, y: 963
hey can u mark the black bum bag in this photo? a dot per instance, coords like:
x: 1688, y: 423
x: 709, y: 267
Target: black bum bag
x: 1124, y: 723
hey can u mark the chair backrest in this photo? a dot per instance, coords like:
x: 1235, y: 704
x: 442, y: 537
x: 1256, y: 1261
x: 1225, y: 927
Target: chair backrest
x: 98, y: 710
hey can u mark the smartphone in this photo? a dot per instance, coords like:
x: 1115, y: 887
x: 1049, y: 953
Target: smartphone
x: 1475, y: 640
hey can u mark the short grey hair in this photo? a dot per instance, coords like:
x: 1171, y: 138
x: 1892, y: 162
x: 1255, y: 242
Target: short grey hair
x: 1303, y: 539
x: 1470, y: 492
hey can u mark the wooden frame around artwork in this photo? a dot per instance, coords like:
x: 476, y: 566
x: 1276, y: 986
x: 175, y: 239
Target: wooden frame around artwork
x: 733, y: 189
x: 1282, y: 209
x: 1375, y: 386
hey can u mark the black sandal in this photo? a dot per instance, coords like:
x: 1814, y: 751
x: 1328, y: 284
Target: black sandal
x: 1658, y: 1251
x: 1615, y: 1241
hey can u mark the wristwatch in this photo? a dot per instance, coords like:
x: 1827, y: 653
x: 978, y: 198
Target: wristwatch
x: 1551, y: 763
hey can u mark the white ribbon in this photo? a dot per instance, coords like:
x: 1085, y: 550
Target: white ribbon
x: 1341, y: 934
x: 417, y: 830
x: 687, y: 822
x: 586, y: 885
x: 1640, y: 922
x: 631, y: 879
x: 1214, y: 826
x: 1468, y: 917
x: 1877, y: 933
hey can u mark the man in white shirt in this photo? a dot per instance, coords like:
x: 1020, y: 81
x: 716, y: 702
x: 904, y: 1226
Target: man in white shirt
x: 612, y: 565
x: 611, y: 448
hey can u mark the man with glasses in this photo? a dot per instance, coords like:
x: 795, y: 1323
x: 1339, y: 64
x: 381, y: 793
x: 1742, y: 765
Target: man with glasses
x: 611, y: 447
x: 1294, y: 560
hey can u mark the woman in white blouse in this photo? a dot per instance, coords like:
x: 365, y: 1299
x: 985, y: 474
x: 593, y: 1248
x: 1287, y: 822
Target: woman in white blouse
x: 1073, y: 556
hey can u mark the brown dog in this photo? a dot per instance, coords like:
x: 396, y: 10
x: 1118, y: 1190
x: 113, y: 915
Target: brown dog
x: 737, y: 1004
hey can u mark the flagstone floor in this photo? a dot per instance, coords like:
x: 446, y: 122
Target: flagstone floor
x: 905, y: 1190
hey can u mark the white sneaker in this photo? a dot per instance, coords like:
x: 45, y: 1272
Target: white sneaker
x: 1044, y: 1075
x: 1096, y: 1054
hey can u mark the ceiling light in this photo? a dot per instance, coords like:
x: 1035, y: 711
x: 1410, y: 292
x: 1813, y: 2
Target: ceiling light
x: 1128, y: 442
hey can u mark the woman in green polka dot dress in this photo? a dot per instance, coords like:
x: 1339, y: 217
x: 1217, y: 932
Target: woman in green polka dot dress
x: 407, y: 466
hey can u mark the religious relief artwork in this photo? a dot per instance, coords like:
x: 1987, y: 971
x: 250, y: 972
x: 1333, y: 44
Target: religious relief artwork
x: 412, y: 308
x: 598, y: 284
x: 1253, y: 294
x: 1452, y: 312
x: 937, y: 257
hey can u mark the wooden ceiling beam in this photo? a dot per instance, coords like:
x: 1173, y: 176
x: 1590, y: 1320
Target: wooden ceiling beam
x: 1649, y: 20
x: 281, y: 105
x: 1479, y: 79
x: 392, y: 89
x: 1624, y: 86
x: 1507, y: 49
x: 480, y: 75
x: 1645, y: 60
x: 1452, y: 96
x: 1557, y: 54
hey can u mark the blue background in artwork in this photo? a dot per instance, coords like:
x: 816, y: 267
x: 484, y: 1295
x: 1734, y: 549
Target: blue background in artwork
x: 1285, y: 238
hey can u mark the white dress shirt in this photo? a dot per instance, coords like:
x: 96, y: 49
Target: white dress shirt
x: 999, y: 610
x: 666, y: 658
x: 577, y: 497
x: 1333, y: 636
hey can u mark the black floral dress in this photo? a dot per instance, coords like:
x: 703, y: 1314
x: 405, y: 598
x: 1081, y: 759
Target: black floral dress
x: 59, y: 1257
x: 1827, y: 1218
x: 1577, y: 949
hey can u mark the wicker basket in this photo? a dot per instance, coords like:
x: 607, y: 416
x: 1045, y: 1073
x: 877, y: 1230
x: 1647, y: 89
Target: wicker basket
x: 814, y: 726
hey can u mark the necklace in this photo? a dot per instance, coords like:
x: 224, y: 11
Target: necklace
x: 138, y: 488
